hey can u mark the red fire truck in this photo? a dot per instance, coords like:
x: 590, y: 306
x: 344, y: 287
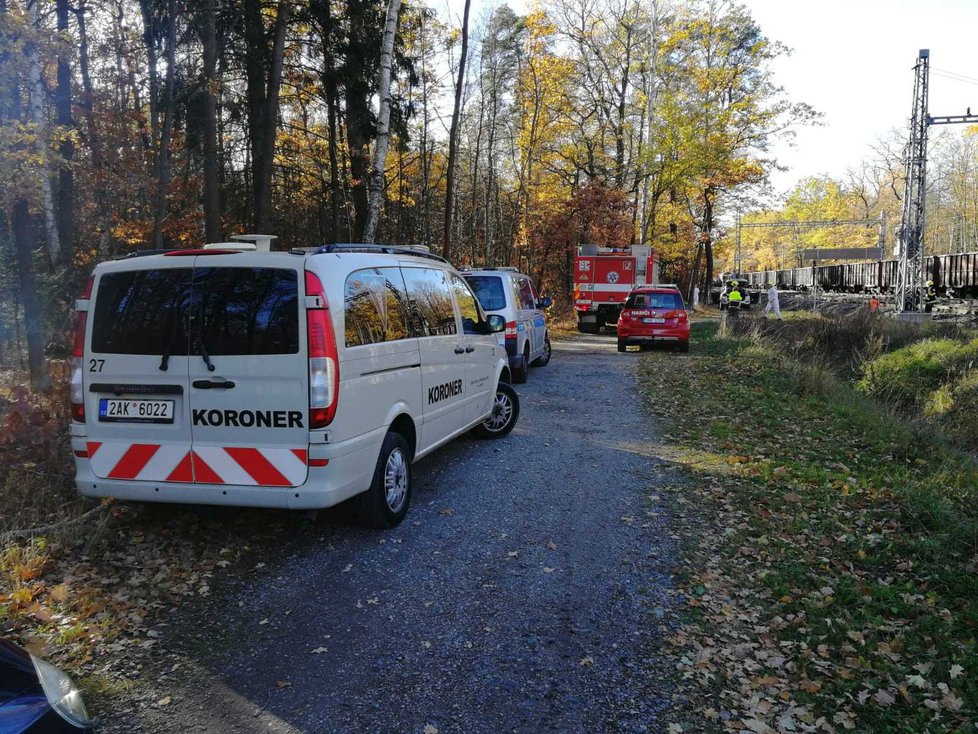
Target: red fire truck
x: 603, y: 277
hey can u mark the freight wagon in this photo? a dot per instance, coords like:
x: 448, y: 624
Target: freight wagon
x: 957, y: 271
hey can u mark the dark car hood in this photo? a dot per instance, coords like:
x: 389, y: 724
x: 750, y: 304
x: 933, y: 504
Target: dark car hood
x: 17, y: 674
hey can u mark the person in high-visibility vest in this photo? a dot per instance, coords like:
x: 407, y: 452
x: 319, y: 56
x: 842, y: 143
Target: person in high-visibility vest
x: 735, y: 298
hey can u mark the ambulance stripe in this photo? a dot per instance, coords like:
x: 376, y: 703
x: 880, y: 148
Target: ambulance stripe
x: 260, y: 468
x: 133, y: 461
x: 184, y: 471
x: 93, y: 447
x: 301, y: 453
x: 203, y: 474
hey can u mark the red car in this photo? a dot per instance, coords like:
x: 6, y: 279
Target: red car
x: 654, y: 313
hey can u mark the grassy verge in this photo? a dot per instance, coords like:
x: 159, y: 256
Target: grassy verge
x: 838, y: 588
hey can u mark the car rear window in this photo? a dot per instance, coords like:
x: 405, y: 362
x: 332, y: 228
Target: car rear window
x: 142, y: 312
x: 654, y: 300
x: 489, y: 290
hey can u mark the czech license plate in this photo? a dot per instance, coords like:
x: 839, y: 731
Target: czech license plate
x: 653, y: 321
x: 135, y: 411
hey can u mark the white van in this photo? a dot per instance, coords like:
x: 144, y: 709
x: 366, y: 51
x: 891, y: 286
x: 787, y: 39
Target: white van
x: 232, y: 375
x: 512, y: 295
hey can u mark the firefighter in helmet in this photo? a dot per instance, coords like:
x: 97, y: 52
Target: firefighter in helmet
x: 930, y: 296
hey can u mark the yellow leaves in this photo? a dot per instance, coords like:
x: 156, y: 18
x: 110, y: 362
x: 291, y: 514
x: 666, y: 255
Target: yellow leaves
x: 23, y: 595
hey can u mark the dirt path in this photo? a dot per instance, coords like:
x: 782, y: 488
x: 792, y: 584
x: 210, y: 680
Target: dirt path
x: 525, y: 592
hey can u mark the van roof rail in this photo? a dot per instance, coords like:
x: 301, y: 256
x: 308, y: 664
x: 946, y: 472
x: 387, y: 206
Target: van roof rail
x: 387, y: 249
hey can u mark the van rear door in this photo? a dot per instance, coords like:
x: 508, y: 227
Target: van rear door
x: 136, y: 375
x: 248, y: 374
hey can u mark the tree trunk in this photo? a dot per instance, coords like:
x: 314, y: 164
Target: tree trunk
x: 212, y: 188
x: 695, y: 274
x: 446, y: 244
x: 33, y: 317
x: 376, y: 181
x: 708, y: 223
x: 163, y: 148
x: 263, y: 183
x: 40, y: 131
x: 66, y: 177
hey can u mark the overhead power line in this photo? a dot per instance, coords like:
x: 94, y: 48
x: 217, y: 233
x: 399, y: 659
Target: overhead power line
x: 955, y: 75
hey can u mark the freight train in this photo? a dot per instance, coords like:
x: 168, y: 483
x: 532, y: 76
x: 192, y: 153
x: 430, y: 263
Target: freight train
x: 957, y: 273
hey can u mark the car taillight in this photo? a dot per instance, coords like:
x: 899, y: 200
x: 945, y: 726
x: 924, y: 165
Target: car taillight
x: 324, y: 369
x: 77, y: 353
x: 510, y: 329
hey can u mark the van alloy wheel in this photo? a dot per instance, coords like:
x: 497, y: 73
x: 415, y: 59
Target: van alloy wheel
x: 505, y: 411
x: 386, y: 503
x: 502, y: 410
x: 396, y: 480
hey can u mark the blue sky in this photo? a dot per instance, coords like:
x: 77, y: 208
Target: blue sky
x: 853, y: 61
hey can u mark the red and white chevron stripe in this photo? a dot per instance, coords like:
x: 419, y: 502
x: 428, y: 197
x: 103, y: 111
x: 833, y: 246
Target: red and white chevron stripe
x: 204, y: 465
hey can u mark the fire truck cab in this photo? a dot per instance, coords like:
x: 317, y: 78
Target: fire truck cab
x: 603, y: 278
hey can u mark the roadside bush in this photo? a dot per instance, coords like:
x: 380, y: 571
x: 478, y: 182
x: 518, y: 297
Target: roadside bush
x: 842, y: 343
x: 911, y: 376
x: 36, y: 466
x: 955, y: 410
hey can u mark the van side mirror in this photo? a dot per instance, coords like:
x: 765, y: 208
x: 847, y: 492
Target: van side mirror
x: 496, y: 323
x: 544, y: 302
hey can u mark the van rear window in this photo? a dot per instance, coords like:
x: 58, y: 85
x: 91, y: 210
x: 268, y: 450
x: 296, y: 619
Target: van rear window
x: 180, y: 311
x: 489, y: 290
x: 142, y: 312
x: 247, y: 310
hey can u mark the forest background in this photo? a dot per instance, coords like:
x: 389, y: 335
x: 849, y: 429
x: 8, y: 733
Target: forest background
x: 509, y: 139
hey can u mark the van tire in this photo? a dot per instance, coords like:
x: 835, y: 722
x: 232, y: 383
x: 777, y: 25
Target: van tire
x: 544, y: 359
x: 523, y: 371
x: 622, y: 345
x: 505, y: 412
x: 386, y: 503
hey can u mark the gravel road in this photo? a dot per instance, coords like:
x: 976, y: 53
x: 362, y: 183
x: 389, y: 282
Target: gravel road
x: 526, y: 591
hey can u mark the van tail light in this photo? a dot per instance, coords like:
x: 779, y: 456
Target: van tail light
x: 510, y: 329
x: 324, y: 368
x: 681, y: 316
x: 77, y: 355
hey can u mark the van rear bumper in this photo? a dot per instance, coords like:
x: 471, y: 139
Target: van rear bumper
x: 325, y: 486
